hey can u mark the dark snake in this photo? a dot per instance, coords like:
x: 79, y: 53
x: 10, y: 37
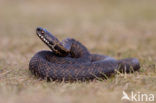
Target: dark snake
x: 69, y: 60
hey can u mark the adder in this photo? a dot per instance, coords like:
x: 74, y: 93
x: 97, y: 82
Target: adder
x: 69, y: 60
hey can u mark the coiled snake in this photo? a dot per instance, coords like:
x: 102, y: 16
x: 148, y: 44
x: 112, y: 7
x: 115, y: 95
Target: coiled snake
x: 69, y: 60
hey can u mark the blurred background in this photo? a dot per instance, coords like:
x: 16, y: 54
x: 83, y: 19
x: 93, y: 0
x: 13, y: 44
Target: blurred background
x: 118, y: 28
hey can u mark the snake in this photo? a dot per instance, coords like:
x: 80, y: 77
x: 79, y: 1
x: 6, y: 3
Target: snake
x: 70, y: 60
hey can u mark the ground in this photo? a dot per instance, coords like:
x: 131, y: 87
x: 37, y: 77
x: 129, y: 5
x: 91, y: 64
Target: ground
x: 122, y: 28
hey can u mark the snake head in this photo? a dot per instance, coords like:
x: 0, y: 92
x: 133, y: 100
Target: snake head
x: 49, y: 39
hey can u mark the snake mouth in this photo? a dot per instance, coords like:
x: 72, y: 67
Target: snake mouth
x: 51, y: 41
x: 42, y: 35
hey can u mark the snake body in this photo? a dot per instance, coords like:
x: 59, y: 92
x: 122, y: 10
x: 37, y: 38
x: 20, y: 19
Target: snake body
x: 69, y: 60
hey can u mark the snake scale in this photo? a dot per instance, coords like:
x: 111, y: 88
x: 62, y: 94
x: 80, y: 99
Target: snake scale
x: 69, y: 60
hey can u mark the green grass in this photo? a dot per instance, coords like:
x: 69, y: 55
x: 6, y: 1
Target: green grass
x: 123, y: 28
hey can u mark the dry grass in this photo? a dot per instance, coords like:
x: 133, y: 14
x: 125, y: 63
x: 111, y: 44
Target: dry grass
x: 123, y: 28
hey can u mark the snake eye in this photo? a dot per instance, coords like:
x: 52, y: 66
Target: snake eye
x: 42, y: 32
